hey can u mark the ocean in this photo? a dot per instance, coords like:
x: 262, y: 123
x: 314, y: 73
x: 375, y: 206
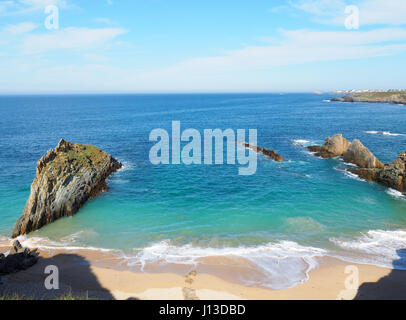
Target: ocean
x: 281, y: 220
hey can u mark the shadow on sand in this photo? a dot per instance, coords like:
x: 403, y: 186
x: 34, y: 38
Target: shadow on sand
x: 390, y: 287
x: 76, y: 280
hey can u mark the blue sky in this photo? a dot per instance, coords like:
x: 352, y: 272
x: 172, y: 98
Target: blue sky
x: 201, y: 46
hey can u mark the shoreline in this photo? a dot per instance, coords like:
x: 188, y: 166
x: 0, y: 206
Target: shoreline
x: 85, y: 274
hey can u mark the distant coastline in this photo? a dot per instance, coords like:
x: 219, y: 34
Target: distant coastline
x: 390, y: 96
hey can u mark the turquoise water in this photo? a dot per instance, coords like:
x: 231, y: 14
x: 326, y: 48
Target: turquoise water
x: 282, y: 218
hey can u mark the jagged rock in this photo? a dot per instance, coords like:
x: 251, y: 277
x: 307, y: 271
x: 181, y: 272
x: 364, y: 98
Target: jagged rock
x: 272, y: 154
x: 18, y: 259
x: 269, y: 153
x: 334, y: 146
x: 16, y: 247
x: 360, y: 155
x: 254, y: 148
x: 369, y: 167
x: 391, y: 175
x: 65, y: 179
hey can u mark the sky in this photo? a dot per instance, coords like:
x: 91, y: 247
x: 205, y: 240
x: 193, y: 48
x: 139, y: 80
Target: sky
x: 165, y: 46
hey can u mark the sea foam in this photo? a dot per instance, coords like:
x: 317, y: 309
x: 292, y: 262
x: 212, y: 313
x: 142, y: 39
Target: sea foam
x: 385, y: 133
x: 284, y: 263
x: 351, y: 175
x: 67, y: 243
x: 301, y: 142
x: 396, y: 194
x: 376, y: 247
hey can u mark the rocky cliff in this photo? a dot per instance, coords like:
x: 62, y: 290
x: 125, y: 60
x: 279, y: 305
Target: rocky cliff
x: 396, y: 97
x: 65, y: 179
x: 368, y: 166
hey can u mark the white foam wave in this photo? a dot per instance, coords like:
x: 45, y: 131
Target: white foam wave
x: 285, y: 264
x: 396, y: 194
x: 327, y: 100
x: 345, y: 163
x: 350, y: 164
x: 127, y: 165
x: 377, y: 247
x: 385, y: 133
x: 65, y: 243
x: 351, y: 175
x: 302, y: 142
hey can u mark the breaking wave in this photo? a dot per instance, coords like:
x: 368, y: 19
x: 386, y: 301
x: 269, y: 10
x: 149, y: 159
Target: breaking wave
x: 352, y: 176
x: 68, y: 243
x: 376, y: 247
x: 396, y: 194
x: 285, y: 264
x: 385, y: 133
x: 301, y: 142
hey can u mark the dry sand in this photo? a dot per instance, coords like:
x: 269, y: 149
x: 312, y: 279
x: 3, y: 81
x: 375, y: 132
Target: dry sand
x: 83, y: 278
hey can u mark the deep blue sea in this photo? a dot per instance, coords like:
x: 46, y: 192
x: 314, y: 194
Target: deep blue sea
x: 281, y: 219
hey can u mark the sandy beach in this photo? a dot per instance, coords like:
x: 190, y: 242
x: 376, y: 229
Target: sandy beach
x: 80, y: 276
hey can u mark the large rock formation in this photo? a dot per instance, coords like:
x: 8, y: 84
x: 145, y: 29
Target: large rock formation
x: 269, y: 153
x: 334, y: 146
x: 355, y: 152
x: 66, y: 178
x: 391, y: 175
x: 368, y: 166
x: 360, y: 155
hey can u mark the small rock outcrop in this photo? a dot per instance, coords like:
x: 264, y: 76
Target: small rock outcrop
x: 272, y: 155
x: 65, y: 179
x: 18, y: 259
x: 269, y: 153
x: 335, y: 146
x: 360, y: 155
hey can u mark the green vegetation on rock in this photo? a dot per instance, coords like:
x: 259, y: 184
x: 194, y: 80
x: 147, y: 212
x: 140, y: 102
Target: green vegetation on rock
x: 80, y: 155
x: 391, y: 96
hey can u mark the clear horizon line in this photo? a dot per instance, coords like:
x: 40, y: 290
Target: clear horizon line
x: 74, y: 92
x: 160, y: 92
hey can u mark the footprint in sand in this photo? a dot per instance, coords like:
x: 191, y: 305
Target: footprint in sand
x: 188, y: 292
